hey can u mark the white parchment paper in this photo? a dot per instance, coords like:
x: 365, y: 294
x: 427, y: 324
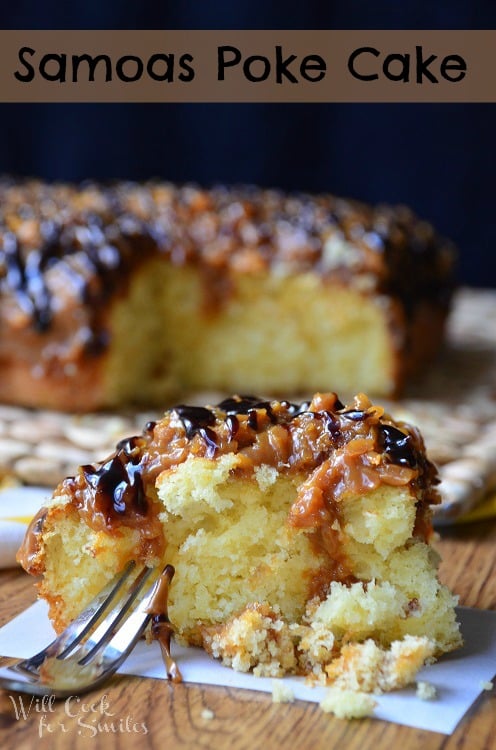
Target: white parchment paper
x: 458, y: 678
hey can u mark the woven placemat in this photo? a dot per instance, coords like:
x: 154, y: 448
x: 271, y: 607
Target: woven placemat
x: 454, y: 405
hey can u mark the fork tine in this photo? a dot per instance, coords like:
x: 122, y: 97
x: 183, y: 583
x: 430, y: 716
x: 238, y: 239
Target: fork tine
x: 115, y: 651
x: 78, y: 628
x: 79, y: 669
x: 104, y: 632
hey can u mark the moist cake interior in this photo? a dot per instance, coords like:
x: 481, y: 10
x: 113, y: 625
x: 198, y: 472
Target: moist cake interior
x: 299, y: 533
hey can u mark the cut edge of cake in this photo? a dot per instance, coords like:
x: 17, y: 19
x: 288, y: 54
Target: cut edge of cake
x: 299, y: 534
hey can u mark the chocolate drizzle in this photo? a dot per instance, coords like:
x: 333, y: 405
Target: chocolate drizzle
x: 398, y: 446
x: 198, y: 419
x: 25, y: 277
x: 118, y: 486
x: 357, y: 415
x: 91, y: 250
x: 195, y: 418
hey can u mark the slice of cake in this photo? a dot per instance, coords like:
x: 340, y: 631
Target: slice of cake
x: 299, y: 534
x: 144, y: 292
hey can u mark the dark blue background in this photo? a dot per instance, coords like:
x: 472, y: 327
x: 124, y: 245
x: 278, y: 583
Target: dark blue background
x: 439, y: 159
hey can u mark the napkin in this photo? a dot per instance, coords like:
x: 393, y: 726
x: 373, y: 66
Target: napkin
x: 18, y: 505
x: 458, y: 678
x: 485, y: 509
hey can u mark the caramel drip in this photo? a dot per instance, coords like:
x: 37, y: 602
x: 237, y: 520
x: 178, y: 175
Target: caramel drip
x: 161, y: 628
x: 30, y: 547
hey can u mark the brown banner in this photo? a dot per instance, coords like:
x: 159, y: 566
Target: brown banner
x: 247, y: 66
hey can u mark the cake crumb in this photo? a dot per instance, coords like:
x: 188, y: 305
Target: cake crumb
x: 281, y: 693
x: 348, y: 704
x: 207, y: 714
x: 426, y: 691
x: 486, y: 685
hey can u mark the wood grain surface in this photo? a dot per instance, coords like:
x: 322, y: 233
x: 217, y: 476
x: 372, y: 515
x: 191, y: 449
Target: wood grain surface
x: 143, y: 713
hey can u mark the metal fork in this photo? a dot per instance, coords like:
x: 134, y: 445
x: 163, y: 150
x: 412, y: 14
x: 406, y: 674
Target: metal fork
x: 96, y: 643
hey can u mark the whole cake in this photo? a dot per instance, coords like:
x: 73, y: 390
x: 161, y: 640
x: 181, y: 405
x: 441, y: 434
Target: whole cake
x: 299, y: 535
x: 128, y: 293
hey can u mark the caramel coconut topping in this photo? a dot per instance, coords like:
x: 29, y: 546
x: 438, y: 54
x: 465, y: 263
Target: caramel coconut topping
x: 79, y: 265
x: 93, y: 234
x: 341, y: 450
